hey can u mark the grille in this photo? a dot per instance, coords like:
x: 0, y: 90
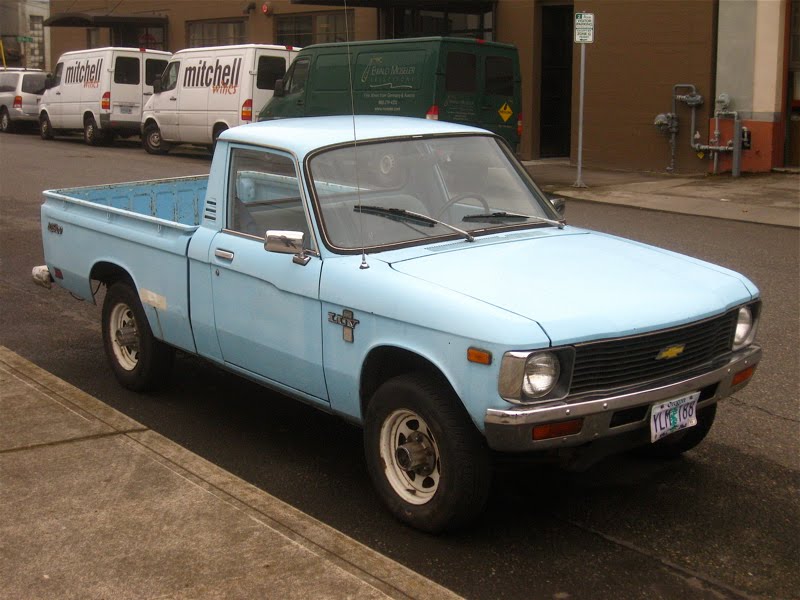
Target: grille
x: 625, y: 362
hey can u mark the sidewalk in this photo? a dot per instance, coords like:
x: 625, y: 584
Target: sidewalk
x: 95, y: 505
x: 769, y: 198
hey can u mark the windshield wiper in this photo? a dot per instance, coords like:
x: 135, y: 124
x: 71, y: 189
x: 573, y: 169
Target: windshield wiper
x: 510, y: 216
x: 408, y: 216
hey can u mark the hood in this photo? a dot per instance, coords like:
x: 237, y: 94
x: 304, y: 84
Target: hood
x: 584, y: 287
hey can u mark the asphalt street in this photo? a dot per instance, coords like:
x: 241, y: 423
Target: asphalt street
x: 722, y: 522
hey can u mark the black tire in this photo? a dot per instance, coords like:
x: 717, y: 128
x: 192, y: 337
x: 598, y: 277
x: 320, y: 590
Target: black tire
x: 451, y: 488
x: 677, y: 443
x: 218, y: 130
x: 152, y: 141
x: 140, y: 363
x: 91, y: 133
x: 45, y: 128
x: 6, y: 125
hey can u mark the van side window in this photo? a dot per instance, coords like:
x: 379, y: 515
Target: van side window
x: 33, y: 83
x: 126, y: 70
x: 298, y: 76
x: 152, y: 69
x: 499, y: 76
x: 269, y: 68
x: 57, y: 74
x: 169, y: 80
x: 462, y: 70
x: 264, y: 193
x: 8, y: 82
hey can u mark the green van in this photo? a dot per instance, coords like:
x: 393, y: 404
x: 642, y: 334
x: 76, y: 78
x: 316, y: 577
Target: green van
x: 463, y: 80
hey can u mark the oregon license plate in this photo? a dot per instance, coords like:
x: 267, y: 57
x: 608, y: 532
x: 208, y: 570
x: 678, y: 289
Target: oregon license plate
x: 673, y: 415
x: 126, y: 110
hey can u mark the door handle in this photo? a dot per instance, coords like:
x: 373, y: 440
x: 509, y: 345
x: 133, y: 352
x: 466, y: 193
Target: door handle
x: 173, y: 98
x: 223, y: 254
x: 301, y: 102
x: 58, y: 93
x: 147, y: 94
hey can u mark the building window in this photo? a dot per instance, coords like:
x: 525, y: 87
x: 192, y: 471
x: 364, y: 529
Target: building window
x: 35, y: 50
x: 413, y: 22
x: 215, y: 33
x: 304, y: 30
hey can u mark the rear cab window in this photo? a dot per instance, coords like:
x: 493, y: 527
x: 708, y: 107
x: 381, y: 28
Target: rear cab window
x: 462, y: 73
x: 499, y: 76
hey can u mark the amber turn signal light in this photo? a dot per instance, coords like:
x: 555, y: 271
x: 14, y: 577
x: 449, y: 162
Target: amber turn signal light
x: 744, y: 375
x: 482, y: 357
x: 554, y: 430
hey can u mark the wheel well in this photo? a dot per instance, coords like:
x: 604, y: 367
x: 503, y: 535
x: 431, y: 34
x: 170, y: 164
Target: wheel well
x: 87, y: 115
x: 109, y: 273
x: 149, y: 122
x: 219, y: 128
x: 386, y: 362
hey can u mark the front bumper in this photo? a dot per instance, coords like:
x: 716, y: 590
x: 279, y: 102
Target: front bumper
x: 510, y: 430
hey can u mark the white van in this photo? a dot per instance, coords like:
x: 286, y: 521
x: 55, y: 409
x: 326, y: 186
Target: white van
x: 100, y: 91
x: 205, y: 91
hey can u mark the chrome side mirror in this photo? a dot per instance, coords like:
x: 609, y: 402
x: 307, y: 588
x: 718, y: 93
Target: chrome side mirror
x: 560, y: 204
x: 287, y: 242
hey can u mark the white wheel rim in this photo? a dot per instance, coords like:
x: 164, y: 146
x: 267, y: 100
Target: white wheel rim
x: 414, y: 487
x: 122, y: 318
x: 155, y: 139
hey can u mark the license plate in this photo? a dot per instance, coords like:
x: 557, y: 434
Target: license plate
x: 673, y: 415
x: 126, y: 110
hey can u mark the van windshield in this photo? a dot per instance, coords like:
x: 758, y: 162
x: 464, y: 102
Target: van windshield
x: 397, y: 192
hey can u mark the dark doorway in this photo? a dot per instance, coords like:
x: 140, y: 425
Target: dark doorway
x: 556, y: 85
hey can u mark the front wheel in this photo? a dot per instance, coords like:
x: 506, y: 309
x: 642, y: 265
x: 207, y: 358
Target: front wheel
x: 427, y: 461
x: 152, y: 140
x: 140, y: 362
x: 45, y: 128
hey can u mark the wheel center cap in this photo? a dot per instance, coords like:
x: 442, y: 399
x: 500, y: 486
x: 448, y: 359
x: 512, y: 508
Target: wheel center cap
x: 416, y: 455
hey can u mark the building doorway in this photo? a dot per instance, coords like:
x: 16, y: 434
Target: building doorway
x: 555, y: 119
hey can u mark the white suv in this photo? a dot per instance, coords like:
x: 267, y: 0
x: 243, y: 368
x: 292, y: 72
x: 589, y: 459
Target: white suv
x: 20, y: 93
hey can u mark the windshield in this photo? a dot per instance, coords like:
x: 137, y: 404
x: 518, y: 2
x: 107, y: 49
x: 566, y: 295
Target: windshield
x: 403, y: 191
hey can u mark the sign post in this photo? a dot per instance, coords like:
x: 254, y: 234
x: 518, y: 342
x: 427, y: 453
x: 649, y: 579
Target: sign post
x: 584, y: 34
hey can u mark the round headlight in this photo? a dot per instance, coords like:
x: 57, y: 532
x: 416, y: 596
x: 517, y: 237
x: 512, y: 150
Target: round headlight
x: 744, y: 326
x: 541, y: 375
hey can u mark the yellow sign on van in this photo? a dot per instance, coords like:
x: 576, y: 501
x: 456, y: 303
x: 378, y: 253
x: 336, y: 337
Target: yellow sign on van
x: 505, y: 112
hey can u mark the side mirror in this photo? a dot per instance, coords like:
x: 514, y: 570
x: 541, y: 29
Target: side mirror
x: 560, y: 204
x: 279, y: 92
x: 157, y: 84
x: 287, y: 242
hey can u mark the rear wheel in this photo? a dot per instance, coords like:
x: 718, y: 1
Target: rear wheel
x: 427, y: 461
x: 140, y: 362
x: 218, y: 130
x: 91, y: 133
x: 152, y: 141
x: 6, y: 126
x: 679, y: 442
x: 45, y: 128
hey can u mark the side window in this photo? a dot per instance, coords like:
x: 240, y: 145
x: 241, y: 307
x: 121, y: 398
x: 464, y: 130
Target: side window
x: 33, y: 83
x: 8, y: 82
x: 298, y: 76
x: 57, y: 74
x: 152, y: 69
x: 270, y: 68
x: 499, y: 76
x: 126, y: 70
x: 461, y: 72
x: 169, y: 80
x: 264, y: 194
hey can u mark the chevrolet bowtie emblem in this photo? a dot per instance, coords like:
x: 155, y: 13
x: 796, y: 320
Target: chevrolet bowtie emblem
x: 671, y: 352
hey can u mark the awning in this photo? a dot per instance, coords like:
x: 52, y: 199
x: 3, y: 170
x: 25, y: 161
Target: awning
x: 462, y: 6
x: 94, y: 19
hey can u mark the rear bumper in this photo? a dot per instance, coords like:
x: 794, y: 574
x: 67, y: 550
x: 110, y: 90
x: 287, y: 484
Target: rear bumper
x: 510, y: 430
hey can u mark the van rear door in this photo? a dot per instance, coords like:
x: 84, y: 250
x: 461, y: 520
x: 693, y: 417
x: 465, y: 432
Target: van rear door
x: 125, y: 92
x: 457, y: 90
x: 270, y: 66
x: 499, y: 94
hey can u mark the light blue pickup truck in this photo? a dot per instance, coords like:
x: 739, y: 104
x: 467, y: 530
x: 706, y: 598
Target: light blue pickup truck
x: 417, y: 282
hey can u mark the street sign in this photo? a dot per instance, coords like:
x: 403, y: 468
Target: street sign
x: 584, y: 28
x: 24, y: 38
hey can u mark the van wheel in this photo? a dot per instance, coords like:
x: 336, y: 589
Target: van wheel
x: 45, y: 128
x: 91, y: 134
x: 218, y: 131
x: 6, y: 126
x: 151, y: 140
x: 139, y: 361
x: 427, y: 461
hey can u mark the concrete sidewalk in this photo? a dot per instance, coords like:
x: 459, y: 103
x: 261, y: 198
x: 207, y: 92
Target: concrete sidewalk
x: 95, y: 505
x: 768, y: 198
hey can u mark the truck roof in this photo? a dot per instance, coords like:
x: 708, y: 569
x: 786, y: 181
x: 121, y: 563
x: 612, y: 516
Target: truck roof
x: 303, y: 135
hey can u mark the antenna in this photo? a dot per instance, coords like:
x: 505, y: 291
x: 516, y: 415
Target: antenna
x: 364, y: 264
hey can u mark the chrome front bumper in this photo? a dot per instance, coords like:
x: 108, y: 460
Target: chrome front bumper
x: 510, y: 430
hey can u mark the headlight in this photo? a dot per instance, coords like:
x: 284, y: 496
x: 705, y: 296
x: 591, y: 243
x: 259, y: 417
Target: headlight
x: 745, y: 330
x: 541, y: 374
